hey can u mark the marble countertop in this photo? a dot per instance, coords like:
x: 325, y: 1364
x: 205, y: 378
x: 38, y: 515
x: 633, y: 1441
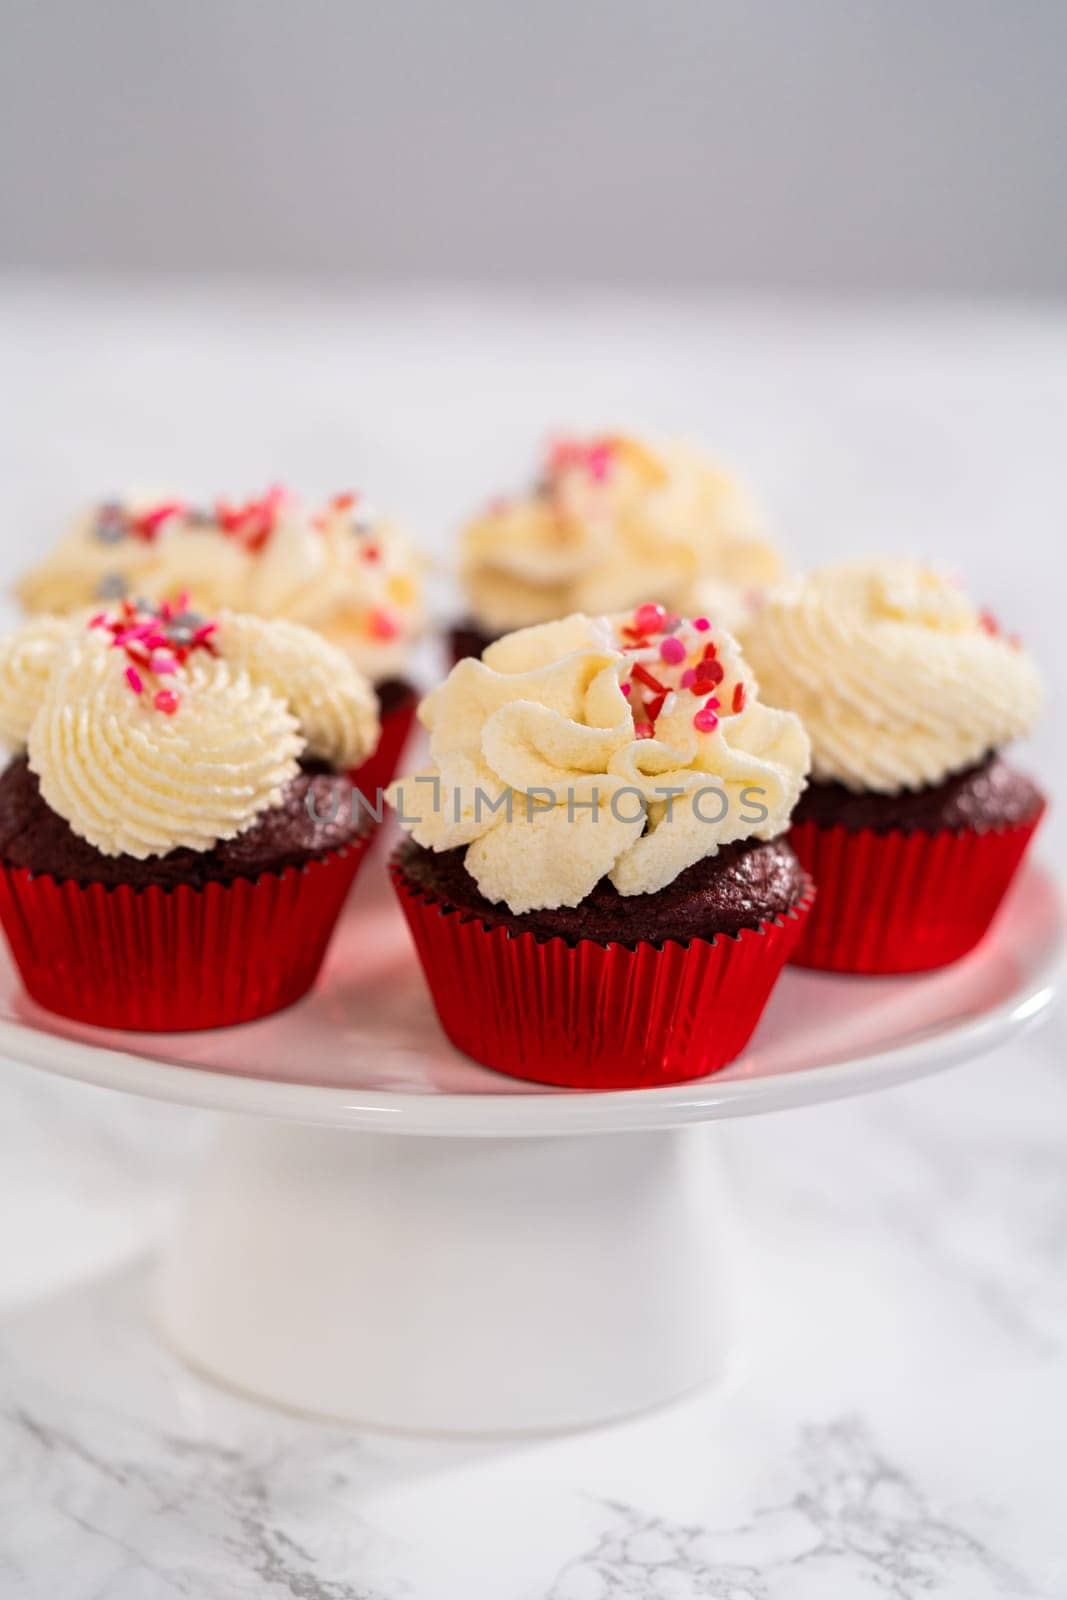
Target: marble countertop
x: 895, y: 1421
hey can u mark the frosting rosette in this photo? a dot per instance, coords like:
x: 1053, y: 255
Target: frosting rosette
x: 610, y: 521
x: 627, y: 747
x: 150, y: 729
x: 349, y: 575
x: 899, y: 679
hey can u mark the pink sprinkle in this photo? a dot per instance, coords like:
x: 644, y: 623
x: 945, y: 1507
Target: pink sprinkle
x: 738, y: 702
x: 133, y: 678
x: 649, y: 617
x: 99, y: 620
x: 701, y: 624
x: 688, y: 678
x: 382, y: 625
x: 167, y: 701
x: 625, y: 687
x: 204, y: 632
x: 672, y: 650
x: 163, y: 665
x: 705, y: 721
x: 644, y: 730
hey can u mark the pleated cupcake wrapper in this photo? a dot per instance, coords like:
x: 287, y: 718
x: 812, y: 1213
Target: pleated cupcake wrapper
x: 167, y: 960
x: 592, y: 1016
x: 902, y: 902
x: 379, y: 770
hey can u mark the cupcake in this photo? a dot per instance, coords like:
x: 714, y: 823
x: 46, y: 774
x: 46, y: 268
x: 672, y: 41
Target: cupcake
x: 914, y: 825
x: 351, y: 576
x: 596, y: 879
x: 177, y: 836
x: 610, y: 521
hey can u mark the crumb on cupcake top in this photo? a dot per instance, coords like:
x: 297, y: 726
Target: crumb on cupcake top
x: 351, y: 575
x: 898, y: 677
x: 152, y: 728
x: 609, y: 521
x: 626, y: 747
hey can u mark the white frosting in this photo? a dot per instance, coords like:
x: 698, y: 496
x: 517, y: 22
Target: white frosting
x: 544, y: 710
x: 899, y: 680
x: 356, y: 580
x: 612, y: 523
x: 333, y: 703
x: 134, y: 778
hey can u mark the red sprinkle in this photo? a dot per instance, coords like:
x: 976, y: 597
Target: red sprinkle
x: 654, y: 707
x: 167, y: 701
x: 705, y: 720
x: 134, y: 679
x: 738, y: 701
x: 710, y: 672
x: 642, y: 674
x: 644, y: 730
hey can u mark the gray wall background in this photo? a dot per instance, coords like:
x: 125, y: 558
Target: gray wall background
x: 829, y: 145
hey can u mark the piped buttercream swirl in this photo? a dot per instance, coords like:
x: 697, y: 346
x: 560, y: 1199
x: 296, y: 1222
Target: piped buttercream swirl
x: 611, y: 521
x: 181, y: 735
x: 899, y: 679
x: 574, y: 751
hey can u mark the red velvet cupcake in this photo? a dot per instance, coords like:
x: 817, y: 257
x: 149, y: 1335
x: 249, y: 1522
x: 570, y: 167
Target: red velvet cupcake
x: 177, y: 835
x: 612, y: 520
x: 913, y: 826
x: 596, y: 882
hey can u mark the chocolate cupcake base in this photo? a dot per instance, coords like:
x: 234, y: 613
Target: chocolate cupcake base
x: 744, y: 885
x: 182, y: 941
x: 467, y: 639
x: 990, y: 794
x: 911, y: 882
x: 582, y: 1011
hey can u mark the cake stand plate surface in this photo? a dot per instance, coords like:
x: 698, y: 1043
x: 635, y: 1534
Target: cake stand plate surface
x: 546, y: 1258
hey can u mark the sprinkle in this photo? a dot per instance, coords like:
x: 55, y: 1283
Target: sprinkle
x: 642, y: 674
x: 989, y: 622
x: 163, y: 666
x: 701, y: 624
x: 134, y: 679
x: 654, y: 707
x: 98, y: 621
x: 370, y: 552
x: 710, y: 672
x: 167, y: 701
x: 344, y: 502
x: 649, y: 617
x: 672, y: 650
x: 644, y: 730
x: 705, y: 720
x: 382, y: 625
x: 738, y: 701
x: 625, y: 687
x: 202, y: 634
x: 711, y: 650
x: 688, y: 678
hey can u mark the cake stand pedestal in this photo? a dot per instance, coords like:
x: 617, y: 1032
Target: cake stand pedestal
x: 388, y: 1234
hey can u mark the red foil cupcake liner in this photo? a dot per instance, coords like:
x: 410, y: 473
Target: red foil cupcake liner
x: 592, y: 1016
x: 379, y: 770
x: 902, y: 902
x: 168, y: 960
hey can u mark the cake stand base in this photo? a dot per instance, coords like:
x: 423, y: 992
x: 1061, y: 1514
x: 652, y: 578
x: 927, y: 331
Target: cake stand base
x: 462, y: 1285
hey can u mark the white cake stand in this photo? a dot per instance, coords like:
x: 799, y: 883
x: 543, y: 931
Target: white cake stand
x: 389, y: 1234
